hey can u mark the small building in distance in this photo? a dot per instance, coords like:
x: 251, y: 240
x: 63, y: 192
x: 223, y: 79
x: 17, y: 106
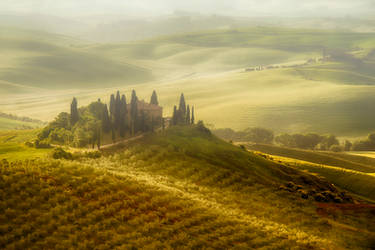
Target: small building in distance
x: 150, y: 113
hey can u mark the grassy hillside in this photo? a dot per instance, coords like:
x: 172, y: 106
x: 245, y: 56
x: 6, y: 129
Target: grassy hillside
x: 13, y: 148
x: 184, y: 188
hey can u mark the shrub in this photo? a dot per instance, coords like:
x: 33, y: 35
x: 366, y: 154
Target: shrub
x: 59, y: 153
x: 202, y: 128
x: 42, y: 144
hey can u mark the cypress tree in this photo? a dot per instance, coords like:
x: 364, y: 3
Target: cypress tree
x: 192, y: 115
x: 74, y: 116
x: 117, y: 110
x: 154, y: 98
x: 134, y: 112
x: 123, y: 114
x: 182, y: 109
x: 106, y: 120
x: 174, y: 117
x: 112, y: 105
x: 187, y: 122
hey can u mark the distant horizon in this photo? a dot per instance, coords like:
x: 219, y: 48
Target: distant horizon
x: 236, y: 8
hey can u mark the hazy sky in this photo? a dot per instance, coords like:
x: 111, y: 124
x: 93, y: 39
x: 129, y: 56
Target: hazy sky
x: 161, y: 7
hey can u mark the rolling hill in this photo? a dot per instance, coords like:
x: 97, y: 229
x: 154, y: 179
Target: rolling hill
x: 47, y: 61
x: 11, y: 122
x: 329, y: 96
x: 181, y: 188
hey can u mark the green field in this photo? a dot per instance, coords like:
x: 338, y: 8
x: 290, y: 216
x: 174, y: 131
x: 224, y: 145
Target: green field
x: 13, y: 148
x: 183, y: 188
x: 324, y: 97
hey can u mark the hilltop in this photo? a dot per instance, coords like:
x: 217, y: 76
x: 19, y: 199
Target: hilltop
x: 183, y: 187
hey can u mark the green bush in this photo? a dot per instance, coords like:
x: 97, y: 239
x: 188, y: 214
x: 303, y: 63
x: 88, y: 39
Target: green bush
x: 42, y: 144
x: 59, y: 153
x: 202, y: 128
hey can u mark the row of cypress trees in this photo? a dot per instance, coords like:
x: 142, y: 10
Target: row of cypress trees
x: 183, y: 115
x: 117, y: 118
x: 122, y: 119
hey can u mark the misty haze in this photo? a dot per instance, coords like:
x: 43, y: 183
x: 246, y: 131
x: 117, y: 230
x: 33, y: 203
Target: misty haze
x: 203, y: 124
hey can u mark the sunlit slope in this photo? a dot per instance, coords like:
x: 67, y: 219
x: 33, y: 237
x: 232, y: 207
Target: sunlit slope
x: 352, y: 173
x: 54, y: 62
x: 197, y: 192
x: 280, y: 99
x: 330, y: 97
x: 13, y: 148
x: 227, y: 49
x: 343, y: 160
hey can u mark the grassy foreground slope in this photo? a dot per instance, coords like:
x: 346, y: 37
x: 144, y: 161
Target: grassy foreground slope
x: 181, y: 189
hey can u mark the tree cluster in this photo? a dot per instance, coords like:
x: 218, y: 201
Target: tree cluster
x: 183, y: 115
x: 308, y: 141
x: 303, y: 141
x: 89, y: 125
x: 365, y: 145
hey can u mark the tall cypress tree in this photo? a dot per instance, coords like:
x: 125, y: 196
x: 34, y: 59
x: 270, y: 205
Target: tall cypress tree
x: 182, y: 108
x: 187, y: 122
x: 192, y: 115
x: 154, y: 98
x: 106, y: 120
x: 112, y: 105
x: 181, y: 112
x: 174, y: 116
x: 134, y: 112
x: 117, y: 110
x: 123, y: 115
x: 74, y: 115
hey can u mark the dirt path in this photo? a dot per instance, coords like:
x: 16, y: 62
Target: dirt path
x: 72, y: 149
x: 122, y: 142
